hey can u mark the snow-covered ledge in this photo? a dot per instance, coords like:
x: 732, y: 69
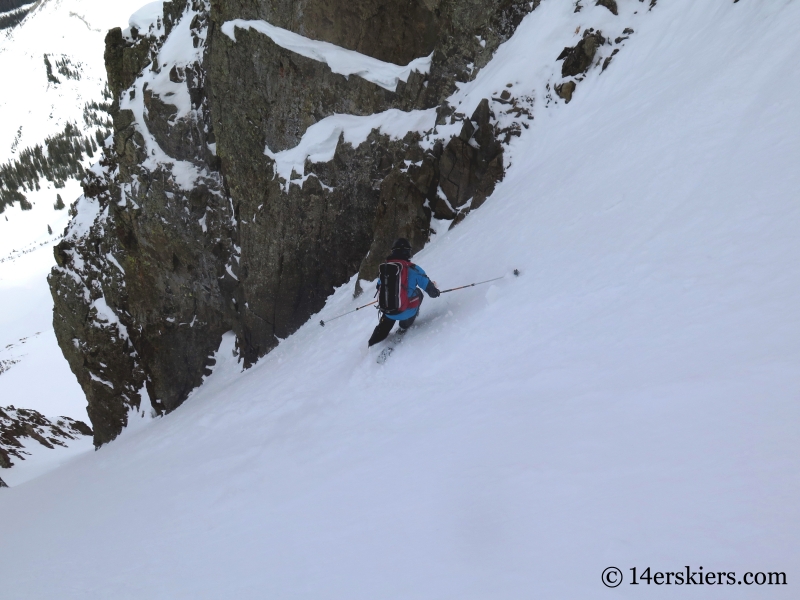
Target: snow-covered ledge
x: 340, y: 60
x: 321, y: 139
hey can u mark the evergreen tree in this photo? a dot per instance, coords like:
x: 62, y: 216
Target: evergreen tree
x: 50, y: 77
x: 60, y: 162
x: 8, y: 5
x: 59, y: 205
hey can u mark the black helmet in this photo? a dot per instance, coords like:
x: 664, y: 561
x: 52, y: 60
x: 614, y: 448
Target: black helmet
x: 401, y: 248
x: 401, y: 243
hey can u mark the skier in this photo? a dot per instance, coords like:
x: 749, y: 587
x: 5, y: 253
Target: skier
x: 399, y: 294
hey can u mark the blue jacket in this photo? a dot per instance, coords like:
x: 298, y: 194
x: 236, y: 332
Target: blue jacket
x: 416, y: 278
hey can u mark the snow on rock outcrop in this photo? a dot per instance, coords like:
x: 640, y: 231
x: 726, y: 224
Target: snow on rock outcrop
x: 340, y: 60
x: 39, y: 102
x: 20, y: 427
x: 156, y: 208
x: 145, y: 20
x: 320, y: 141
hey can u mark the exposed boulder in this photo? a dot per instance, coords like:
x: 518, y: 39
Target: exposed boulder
x: 16, y: 424
x: 579, y: 58
x: 565, y: 90
x: 626, y: 33
x: 609, y: 58
x: 472, y: 163
x: 609, y: 4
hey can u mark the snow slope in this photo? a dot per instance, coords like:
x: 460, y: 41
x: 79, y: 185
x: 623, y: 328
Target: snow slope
x: 33, y: 109
x: 40, y: 377
x: 630, y: 400
x: 72, y: 28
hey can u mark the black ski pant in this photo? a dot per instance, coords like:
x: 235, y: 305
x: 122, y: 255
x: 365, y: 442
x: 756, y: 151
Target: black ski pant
x: 385, y: 325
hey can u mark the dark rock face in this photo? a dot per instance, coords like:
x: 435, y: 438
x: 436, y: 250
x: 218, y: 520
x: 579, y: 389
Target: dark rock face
x: 155, y: 268
x: 578, y: 59
x: 384, y: 29
x: 608, y: 59
x: 142, y: 296
x: 609, y: 4
x: 19, y: 423
x: 469, y: 172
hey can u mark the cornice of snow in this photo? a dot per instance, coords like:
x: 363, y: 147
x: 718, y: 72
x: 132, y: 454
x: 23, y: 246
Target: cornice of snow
x: 340, y: 60
x: 319, y: 142
x: 146, y: 18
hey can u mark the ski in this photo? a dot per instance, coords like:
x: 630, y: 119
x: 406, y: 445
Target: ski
x: 384, y: 355
x: 387, y: 352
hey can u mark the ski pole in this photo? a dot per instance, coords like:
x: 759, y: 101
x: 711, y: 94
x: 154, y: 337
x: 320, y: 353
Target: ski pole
x: 348, y: 312
x: 322, y: 322
x: 257, y: 315
x: 516, y: 272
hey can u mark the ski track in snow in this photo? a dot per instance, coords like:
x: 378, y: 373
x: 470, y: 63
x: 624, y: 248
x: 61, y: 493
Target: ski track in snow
x: 630, y: 400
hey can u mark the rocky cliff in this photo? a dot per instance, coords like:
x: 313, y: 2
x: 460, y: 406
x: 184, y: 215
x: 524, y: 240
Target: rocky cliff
x: 207, y: 215
x: 19, y: 426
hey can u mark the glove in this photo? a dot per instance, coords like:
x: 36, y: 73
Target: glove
x: 433, y: 292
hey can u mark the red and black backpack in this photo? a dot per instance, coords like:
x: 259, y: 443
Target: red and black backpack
x: 393, y: 294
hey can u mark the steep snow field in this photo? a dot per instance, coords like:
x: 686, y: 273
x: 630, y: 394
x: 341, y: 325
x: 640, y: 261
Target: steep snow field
x: 33, y: 109
x: 74, y: 29
x: 630, y: 400
x: 40, y: 377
